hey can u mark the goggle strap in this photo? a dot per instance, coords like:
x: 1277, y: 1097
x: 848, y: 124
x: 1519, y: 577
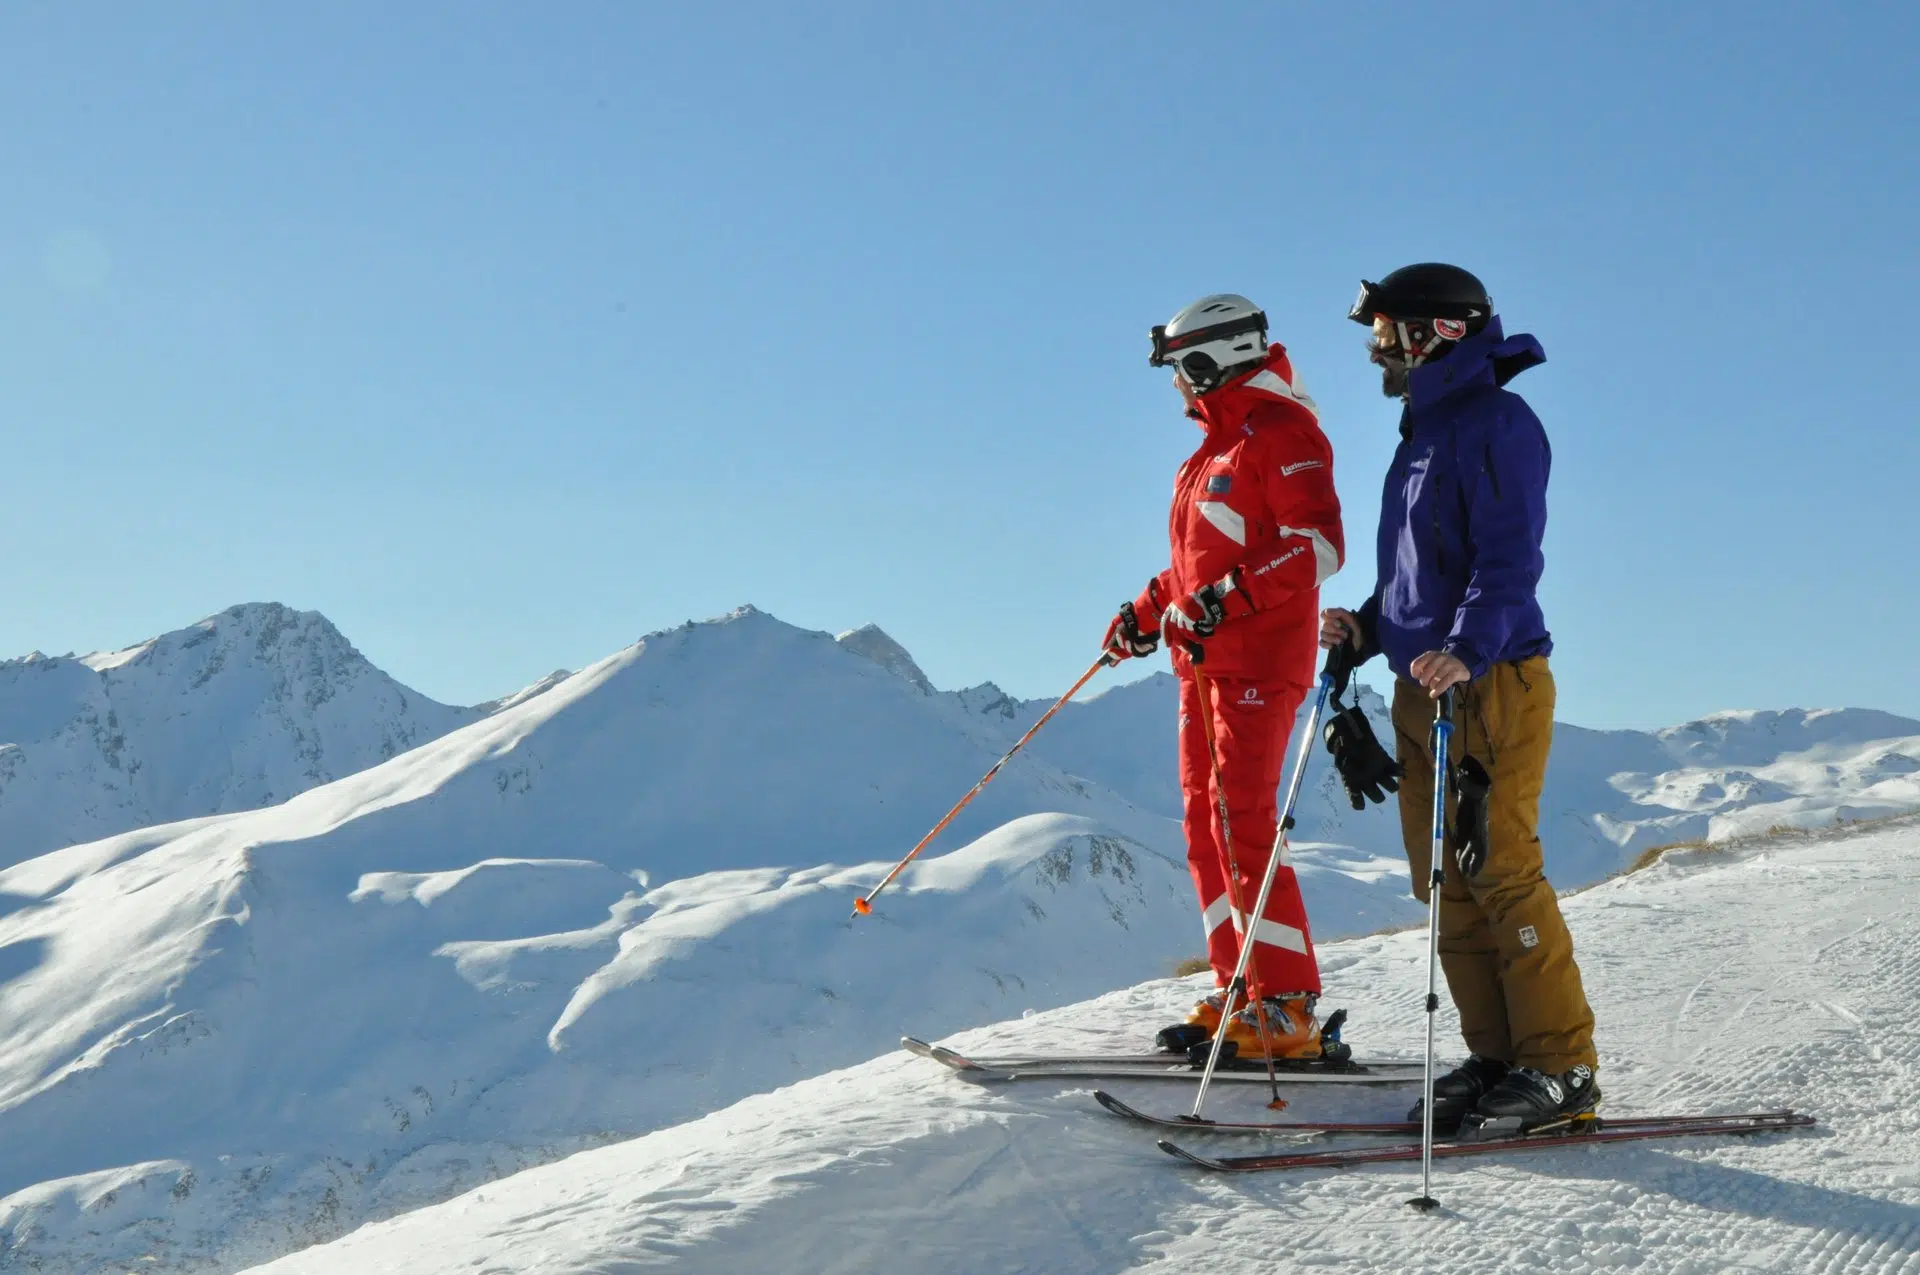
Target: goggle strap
x: 1163, y: 345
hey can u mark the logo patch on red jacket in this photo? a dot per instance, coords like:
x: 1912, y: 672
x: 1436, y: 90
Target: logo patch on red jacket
x: 1219, y: 484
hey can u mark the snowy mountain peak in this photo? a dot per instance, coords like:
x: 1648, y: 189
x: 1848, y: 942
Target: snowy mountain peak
x: 244, y: 708
x: 872, y: 641
x: 988, y: 700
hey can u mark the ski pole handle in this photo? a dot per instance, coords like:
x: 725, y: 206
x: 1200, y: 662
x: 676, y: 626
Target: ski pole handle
x: 863, y: 906
x: 1442, y: 741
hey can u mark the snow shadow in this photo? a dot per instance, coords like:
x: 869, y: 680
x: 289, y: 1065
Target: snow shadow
x: 21, y: 958
x: 1722, y: 1188
x: 11, y: 903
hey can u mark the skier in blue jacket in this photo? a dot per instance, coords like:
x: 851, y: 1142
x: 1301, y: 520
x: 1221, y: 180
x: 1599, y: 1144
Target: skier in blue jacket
x: 1455, y: 605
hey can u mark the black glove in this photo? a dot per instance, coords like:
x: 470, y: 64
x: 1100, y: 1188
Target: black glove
x: 1124, y: 638
x: 1200, y: 612
x: 1470, y: 837
x: 1364, y: 766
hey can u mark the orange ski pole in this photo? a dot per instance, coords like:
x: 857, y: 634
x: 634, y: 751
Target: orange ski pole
x: 863, y: 906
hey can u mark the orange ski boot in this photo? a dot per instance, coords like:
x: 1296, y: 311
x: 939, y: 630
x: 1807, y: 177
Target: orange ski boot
x: 1200, y: 1026
x: 1291, y: 1031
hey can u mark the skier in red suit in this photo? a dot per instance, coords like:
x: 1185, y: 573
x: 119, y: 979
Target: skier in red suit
x: 1255, y: 531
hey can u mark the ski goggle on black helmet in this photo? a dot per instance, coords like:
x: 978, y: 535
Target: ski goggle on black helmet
x: 1418, y: 309
x: 1212, y: 340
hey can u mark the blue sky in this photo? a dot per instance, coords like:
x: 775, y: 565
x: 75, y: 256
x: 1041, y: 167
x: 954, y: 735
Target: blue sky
x: 503, y: 334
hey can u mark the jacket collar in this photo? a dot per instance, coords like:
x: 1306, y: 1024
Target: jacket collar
x: 1227, y: 408
x: 1489, y: 358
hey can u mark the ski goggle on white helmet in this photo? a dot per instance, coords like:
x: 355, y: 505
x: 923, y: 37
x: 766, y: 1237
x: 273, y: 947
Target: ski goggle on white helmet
x: 1211, y: 338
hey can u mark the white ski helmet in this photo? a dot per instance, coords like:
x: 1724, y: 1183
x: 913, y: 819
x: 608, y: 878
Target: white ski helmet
x: 1212, y: 340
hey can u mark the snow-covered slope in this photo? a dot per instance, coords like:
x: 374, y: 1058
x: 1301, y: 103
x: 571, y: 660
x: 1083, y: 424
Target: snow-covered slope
x: 618, y: 901
x: 244, y: 709
x: 1706, y: 1002
x: 585, y: 916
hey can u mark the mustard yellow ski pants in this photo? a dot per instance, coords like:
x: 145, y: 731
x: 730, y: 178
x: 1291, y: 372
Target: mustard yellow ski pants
x: 1504, y: 946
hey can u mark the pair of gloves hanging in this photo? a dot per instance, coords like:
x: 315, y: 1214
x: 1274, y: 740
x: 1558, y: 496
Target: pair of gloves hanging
x: 1369, y: 773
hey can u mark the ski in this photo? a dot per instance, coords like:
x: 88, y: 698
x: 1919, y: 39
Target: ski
x: 1555, y: 1137
x: 1162, y: 1067
x: 1203, y: 1125
x: 1384, y: 1128
x: 940, y: 1053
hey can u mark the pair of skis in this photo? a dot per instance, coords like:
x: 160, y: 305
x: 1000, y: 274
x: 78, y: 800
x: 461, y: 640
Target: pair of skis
x: 1171, y: 1067
x: 1570, y: 1133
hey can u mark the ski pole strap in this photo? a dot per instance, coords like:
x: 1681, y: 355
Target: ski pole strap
x: 1339, y: 670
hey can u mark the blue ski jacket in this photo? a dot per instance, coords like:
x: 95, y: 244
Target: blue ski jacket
x: 1463, y: 514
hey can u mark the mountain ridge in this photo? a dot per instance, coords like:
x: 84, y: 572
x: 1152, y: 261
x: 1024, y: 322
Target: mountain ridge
x: 244, y: 708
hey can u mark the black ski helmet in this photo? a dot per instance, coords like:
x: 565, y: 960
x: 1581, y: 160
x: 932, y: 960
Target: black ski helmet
x: 1429, y: 290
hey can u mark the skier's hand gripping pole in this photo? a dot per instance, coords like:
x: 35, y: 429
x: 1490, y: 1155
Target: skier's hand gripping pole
x: 1436, y: 877
x: 863, y: 906
x: 1339, y: 669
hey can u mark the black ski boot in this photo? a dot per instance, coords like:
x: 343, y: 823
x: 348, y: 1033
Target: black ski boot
x: 1456, y: 1093
x: 1527, y: 1101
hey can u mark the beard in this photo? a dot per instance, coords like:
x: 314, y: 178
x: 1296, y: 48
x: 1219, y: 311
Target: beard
x: 1395, y: 377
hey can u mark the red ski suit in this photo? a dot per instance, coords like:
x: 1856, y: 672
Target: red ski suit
x: 1253, y: 507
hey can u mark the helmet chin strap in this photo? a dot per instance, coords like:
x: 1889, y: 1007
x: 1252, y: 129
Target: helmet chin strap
x: 1416, y: 355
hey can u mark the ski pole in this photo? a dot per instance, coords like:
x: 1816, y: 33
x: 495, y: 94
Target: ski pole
x: 863, y: 906
x: 1436, y: 877
x: 1239, y: 985
x: 1334, y: 670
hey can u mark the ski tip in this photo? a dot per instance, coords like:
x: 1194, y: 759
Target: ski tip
x: 942, y: 1055
x: 1181, y: 1153
x: 1122, y: 1109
